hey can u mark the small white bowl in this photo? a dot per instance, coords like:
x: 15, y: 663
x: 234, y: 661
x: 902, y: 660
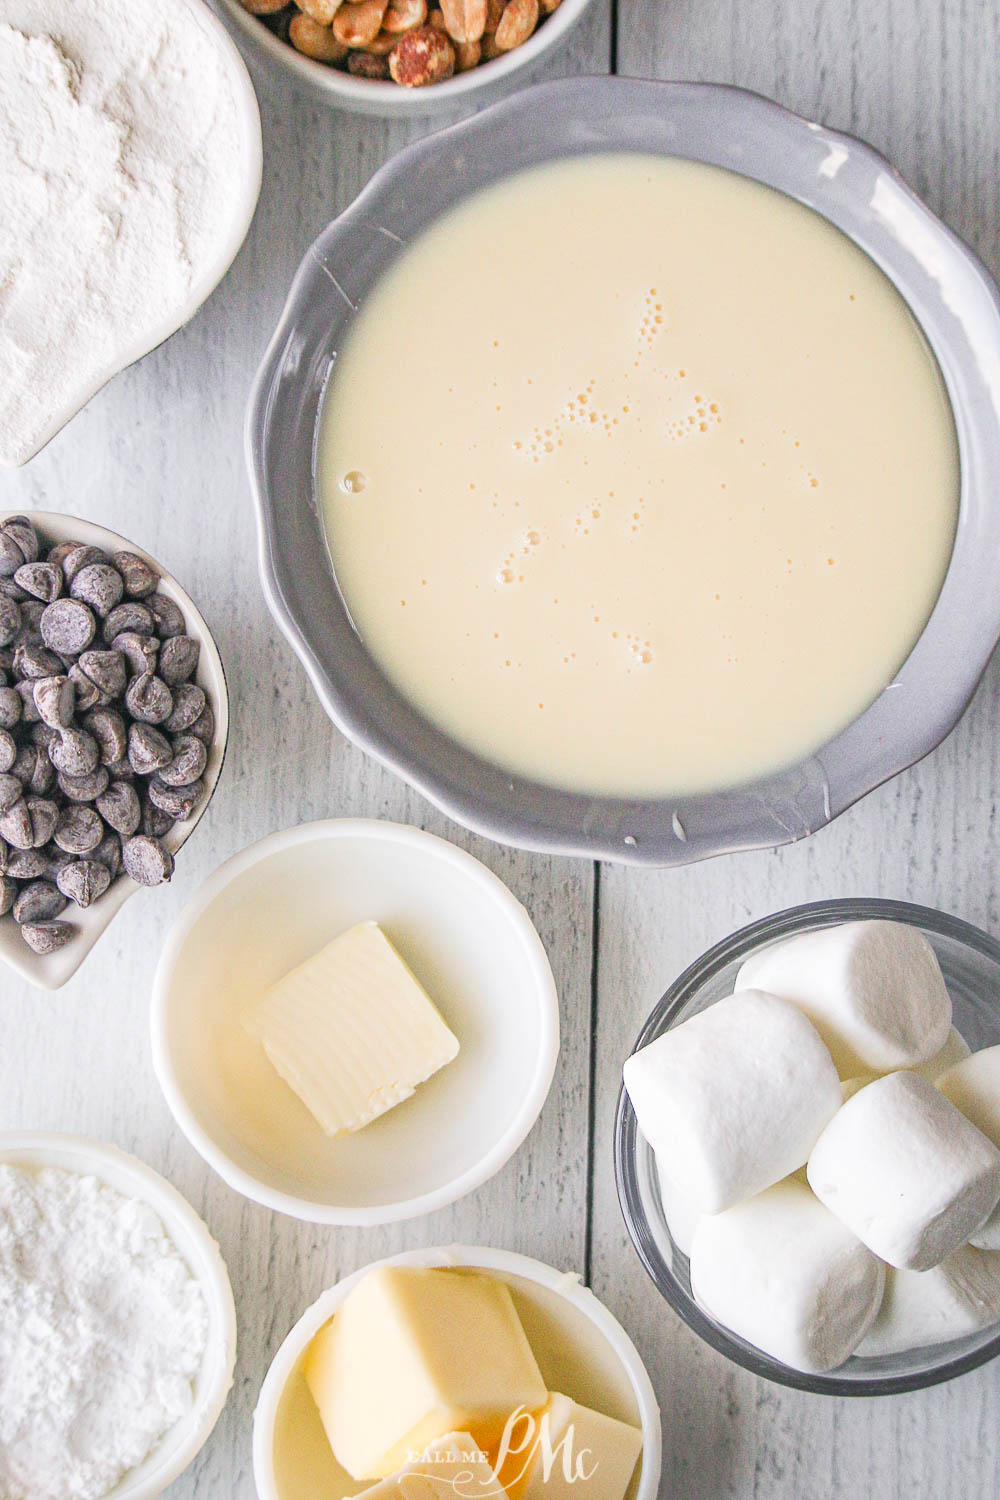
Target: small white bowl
x: 366, y: 96
x: 250, y: 171
x: 52, y: 970
x: 125, y: 1173
x: 581, y: 1349
x: 467, y: 939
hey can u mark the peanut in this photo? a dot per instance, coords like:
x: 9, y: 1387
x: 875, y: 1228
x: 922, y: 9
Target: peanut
x: 467, y: 55
x: 359, y: 22
x: 367, y: 65
x: 519, y: 19
x: 382, y: 45
x: 264, y: 7
x: 403, y: 15
x: 464, y: 20
x: 322, y: 11
x: 313, y: 40
x: 422, y: 57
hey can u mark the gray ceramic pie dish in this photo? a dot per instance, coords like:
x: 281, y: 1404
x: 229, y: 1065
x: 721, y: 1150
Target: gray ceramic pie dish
x: 951, y: 296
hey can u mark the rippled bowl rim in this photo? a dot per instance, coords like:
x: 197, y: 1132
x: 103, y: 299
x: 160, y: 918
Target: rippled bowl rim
x: 947, y: 288
x: 663, y: 1015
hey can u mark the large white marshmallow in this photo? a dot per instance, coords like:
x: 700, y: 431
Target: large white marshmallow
x: 906, y: 1171
x: 956, y: 1298
x: 784, y: 1274
x: 680, y: 1213
x: 973, y: 1086
x: 873, y: 990
x: 954, y: 1050
x: 734, y: 1098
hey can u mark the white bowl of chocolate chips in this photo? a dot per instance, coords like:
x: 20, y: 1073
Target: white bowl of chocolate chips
x: 113, y: 725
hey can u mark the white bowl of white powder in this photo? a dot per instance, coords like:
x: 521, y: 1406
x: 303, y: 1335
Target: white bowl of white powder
x: 117, y: 1324
x: 130, y: 167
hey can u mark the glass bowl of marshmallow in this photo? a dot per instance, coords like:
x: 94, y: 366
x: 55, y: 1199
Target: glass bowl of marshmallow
x: 807, y: 1147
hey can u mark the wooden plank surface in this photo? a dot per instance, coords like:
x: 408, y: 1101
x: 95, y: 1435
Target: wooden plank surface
x: 158, y: 456
x: 918, y: 79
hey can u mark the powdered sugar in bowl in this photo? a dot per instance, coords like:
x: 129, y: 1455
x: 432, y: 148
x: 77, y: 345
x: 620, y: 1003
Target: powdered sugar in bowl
x: 50, y: 1185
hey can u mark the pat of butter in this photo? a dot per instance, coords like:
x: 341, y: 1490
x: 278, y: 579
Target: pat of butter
x: 351, y: 1030
x: 413, y: 1354
x: 453, y: 1466
x: 569, y: 1452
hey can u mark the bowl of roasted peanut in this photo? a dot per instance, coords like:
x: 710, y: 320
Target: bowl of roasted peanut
x: 405, y: 57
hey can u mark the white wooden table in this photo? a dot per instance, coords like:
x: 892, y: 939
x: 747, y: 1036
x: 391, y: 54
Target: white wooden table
x: 158, y: 457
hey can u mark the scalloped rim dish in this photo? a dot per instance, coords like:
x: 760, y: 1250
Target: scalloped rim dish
x: 952, y: 298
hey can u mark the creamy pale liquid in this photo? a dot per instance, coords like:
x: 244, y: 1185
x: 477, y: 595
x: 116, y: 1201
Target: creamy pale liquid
x: 638, y: 476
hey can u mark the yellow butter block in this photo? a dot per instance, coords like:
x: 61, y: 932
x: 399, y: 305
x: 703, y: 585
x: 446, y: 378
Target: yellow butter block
x: 413, y: 1354
x: 351, y: 1030
x: 569, y: 1452
x: 453, y: 1468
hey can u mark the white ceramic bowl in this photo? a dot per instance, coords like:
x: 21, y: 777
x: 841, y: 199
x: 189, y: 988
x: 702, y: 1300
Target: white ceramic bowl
x: 51, y: 970
x: 467, y: 939
x: 133, y: 1178
x: 581, y: 1349
x: 249, y: 169
x: 365, y: 96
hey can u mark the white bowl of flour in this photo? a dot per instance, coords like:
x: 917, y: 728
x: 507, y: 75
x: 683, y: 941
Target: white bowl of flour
x: 117, y: 1324
x: 130, y: 167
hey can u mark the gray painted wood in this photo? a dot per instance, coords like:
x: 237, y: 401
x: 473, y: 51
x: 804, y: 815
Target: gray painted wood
x: 158, y: 457
x: 917, y: 79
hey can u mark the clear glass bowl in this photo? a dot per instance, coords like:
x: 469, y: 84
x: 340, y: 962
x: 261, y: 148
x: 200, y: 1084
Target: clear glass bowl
x: 970, y: 962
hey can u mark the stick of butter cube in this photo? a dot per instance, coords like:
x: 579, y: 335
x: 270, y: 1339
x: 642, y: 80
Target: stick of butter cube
x: 569, y: 1452
x: 453, y: 1468
x: 413, y: 1354
x: 351, y: 1030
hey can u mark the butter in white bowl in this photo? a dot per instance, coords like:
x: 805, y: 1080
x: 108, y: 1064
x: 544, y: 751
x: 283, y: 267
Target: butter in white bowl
x: 351, y: 1030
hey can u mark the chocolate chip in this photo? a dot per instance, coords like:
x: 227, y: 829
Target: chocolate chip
x: 32, y: 662
x: 83, y: 788
x: 178, y: 659
x: 55, y: 699
x: 68, y: 626
x: 107, y: 669
x: 79, y: 829
x: 120, y: 808
x: 11, y: 791
x: 98, y: 585
x: 131, y: 617
x: 22, y: 529
x: 46, y: 937
x: 137, y: 575
x: 8, y: 751
x: 80, y: 556
x: 203, y: 727
x: 84, y: 881
x: 148, y: 749
x: 188, y: 763
x: 189, y: 704
x: 166, y: 614
x: 147, y: 860
x: 28, y: 864
x: 26, y: 692
x: 44, y: 814
x: 140, y: 651
x: 41, y: 580
x: 10, y: 620
x: 75, y: 752
x: 16, y: 826
x: 38, y: 902
x: 178, y: 802
x: 121, y: 770
x: 87, y: 691
x: 154, y: 821
x: 148, y: 699
x: 109, y: 854
x: 108, y: 728
x: 10, y: 707
x: 11, y: 556
x: 8, y: 894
